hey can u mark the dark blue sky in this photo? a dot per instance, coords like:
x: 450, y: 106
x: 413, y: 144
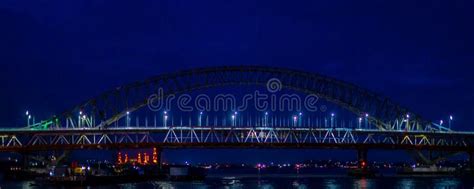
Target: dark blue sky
x: 55, y: 54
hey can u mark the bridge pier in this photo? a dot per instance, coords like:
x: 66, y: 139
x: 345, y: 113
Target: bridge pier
x: 160, y: 152
x: 25, y: 156
x: 471, y: 160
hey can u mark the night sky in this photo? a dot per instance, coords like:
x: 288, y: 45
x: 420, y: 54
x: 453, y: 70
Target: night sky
x: 55, y: 54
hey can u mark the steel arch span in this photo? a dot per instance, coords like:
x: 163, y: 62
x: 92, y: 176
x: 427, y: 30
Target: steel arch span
x: 112, y: 105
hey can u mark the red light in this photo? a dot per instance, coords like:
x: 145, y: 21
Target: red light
x: 155, y: 156
x: 119, y: 158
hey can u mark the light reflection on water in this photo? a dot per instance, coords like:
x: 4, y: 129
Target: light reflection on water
x: 284, y: 182
x: 331, y: 184
x: 406, y: 183
x: 364, y: 183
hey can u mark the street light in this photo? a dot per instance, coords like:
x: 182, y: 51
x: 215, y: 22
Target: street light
x: 83, y: 119
x: 27, y: 118
x: 300, y: 119
x: 332, y: 119
x: 165, y: 118
x: 441, y: 122
x: 450, y: 120
x: 295, y: 119
x: 366, y: 120
x: 128, y: 119
x: 200, y: 119
x: 266, y: 120
x: 79, y: 120
x: 233, y: 120
x: 360, y: 122
x: 408, y: 121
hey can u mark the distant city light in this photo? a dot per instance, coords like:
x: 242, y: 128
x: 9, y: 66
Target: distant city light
x: 301, y: 114
x: 27, y: 113
x: 332, y: 114
x: 128, y: 113
x: 366, y: 115
x: 80, y: 112
x: 408, y: 115
x: 450, y: 117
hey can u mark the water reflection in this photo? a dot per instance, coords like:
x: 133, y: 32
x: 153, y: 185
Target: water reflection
x: 447, y: 183
x: 405, y: 183
x: 364, y: 183
x: 283, y: 182
x: 331, y: 184
x: 299, y: 185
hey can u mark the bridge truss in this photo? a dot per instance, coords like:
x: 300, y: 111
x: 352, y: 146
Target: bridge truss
x: 230, y: 137
x: 111, y: 106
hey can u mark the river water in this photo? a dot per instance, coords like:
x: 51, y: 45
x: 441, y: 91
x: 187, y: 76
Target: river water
x: 285, y: 181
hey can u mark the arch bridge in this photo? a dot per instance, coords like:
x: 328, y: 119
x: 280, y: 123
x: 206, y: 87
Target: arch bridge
x: 94, y: 123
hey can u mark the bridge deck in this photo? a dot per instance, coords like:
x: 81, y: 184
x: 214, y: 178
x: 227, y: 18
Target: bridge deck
x: 229, y: 137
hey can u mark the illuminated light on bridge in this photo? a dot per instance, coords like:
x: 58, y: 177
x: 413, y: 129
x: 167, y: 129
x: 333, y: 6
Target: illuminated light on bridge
x: 265, y: 124
x: 450, y: 121
x: 165, y: 118
x: 29, y: 117
x: 332, y: 120
x: 200, y: 119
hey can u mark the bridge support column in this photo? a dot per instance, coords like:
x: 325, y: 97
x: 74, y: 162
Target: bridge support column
x: 362, y: 158
x: 25, y: 160
x: 157, y: 156
x: 471, y: 160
